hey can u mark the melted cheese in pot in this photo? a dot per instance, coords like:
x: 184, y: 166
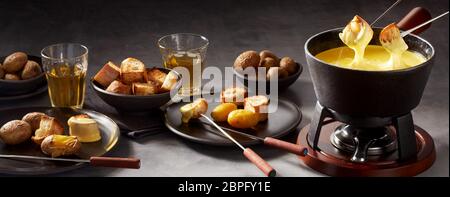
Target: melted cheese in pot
x: 376, y: 58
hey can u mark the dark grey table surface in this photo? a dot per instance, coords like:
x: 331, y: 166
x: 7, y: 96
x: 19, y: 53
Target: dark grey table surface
x: 115, y: 30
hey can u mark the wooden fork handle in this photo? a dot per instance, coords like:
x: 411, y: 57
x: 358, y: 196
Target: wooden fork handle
x: 415, y: 17
x: 259, y: 162
x: 116, y: 162
x: 287, y: 146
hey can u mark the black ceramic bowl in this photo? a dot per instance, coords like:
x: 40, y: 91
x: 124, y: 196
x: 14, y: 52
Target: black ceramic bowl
x: 360, y: 93
x: 283, y: 83
x: 134, y: 103
x: 11, y: 88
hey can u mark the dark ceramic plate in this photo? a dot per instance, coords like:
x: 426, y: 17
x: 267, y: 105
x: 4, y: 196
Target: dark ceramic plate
x: 23, y: 87
x: 133, y: 103
x: 284, y: 120
x: 108, y: 128
x: 22, y: 96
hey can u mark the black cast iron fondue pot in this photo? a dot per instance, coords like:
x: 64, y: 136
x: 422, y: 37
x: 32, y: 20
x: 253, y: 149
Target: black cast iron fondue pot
x: 359, y: 94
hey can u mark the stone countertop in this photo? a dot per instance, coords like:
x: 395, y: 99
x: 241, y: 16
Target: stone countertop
x: 114, y: 31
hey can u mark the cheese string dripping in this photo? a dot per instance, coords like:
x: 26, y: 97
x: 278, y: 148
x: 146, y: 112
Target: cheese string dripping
x: 357, y: 35
x: 392, y: 41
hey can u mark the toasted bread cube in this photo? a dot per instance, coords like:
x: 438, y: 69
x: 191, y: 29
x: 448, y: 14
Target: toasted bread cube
x: 107, y: 74
x: 132, y: 71
x: 144, y: 89
x: 258, y: 104
x: 234, y: 95
x: 169, y: 82
x: 47, y: 126
x: 119, y: 88
x: 156, y: 75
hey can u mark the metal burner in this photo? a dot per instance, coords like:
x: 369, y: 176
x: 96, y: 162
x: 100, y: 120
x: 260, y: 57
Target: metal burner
x: 363, y: 141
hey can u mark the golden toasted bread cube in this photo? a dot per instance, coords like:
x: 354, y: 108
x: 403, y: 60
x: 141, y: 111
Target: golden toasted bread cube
x: 234, y: 95
x: 47, y: 126
x: 119, y: 88
x: 156, y: 75
x: 258, y: 104
x: 169, y: 82
x: 132, y: 70
x: 107, y: 74
x: 144, y: 89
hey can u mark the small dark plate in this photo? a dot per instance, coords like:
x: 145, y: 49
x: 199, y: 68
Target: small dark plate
x: 133, y: 103
x: 23, y: 87
x: 283, y: 83
x: 280, y: 123
x: 108, y: 130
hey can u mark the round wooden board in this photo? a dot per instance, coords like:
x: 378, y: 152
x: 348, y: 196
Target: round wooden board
x: 331, y: 161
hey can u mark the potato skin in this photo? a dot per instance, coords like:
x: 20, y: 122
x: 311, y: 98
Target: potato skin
x: 268, y: 62
x: 220, y: 112
x: 271, y: 73
x: 288, y: 64
x: 15, y: 62
x: 60, y: 145
x: 247, y: 59
x: 30, y: 70
x: 266, y: 53
x: 243, y: 119
x: 12, y: 77
x: 34, y: 119
x: 15, y: 132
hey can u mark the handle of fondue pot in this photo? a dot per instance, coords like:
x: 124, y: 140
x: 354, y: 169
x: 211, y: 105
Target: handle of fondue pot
x: 283, y: 145
x: 415, y: 17
x: 116, y: 162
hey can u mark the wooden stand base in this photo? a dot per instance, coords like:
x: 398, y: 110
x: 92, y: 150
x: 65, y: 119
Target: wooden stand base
x: 334, y: 162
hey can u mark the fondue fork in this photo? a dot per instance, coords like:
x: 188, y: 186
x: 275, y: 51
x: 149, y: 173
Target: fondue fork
x: 249, y: 153
x: 116, y: 162
x: 273, y: 142
x: 386, y: 11
x: 403, y: 34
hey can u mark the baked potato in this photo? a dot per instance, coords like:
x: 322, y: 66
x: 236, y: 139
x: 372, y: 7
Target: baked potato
x: 276, y: 73
x: 247, y: 59
x: 243, y: 119
x: 266, y: 53
x: 268, y: 62
x: 220, y: 112
x: 15, y: 132
x: 60, y: 145
x: 12, y: 77
x: 15, y: 62
x: 30, y: 70
x: 34, y: 119
x: 47, y: 126
x: 289, y: 65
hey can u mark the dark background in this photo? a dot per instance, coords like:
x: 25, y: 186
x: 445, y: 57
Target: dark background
x: 116, y: 30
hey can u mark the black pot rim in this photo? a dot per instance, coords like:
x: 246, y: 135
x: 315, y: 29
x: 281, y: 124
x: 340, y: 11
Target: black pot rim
x: 367, y: 71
